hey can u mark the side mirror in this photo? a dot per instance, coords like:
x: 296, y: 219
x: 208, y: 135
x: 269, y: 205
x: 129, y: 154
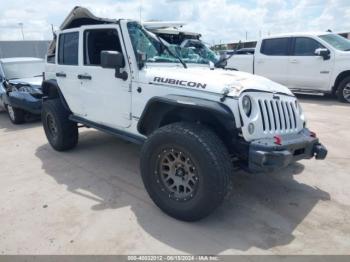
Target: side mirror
x: 114, y: 59
x: 324, y: 52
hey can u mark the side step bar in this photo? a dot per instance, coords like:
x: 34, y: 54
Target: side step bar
x: 116, y: 132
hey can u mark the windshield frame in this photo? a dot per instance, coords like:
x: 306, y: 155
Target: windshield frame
x: 325, y: 38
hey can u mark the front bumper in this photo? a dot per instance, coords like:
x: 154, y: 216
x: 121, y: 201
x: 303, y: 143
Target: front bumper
x: 267, y: 156
x: 25, y: 101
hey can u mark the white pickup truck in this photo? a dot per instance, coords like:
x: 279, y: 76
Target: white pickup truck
x: 304, y: 62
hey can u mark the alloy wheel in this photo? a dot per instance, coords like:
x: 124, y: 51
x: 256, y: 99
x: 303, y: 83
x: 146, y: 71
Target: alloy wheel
x: 177, y: 175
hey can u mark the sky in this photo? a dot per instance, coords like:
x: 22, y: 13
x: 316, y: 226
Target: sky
x: 219, y: 21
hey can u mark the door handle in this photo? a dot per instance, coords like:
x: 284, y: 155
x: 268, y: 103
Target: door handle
x: 61, y: 74
x: 85, y: 76
x: 294, y: 61
x: 260, y: 61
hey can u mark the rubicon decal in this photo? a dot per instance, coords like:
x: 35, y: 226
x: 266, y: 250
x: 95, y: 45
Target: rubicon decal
x: 176, y: 82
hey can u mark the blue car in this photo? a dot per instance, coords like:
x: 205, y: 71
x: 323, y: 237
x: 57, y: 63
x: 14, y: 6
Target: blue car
x: 20, y: 88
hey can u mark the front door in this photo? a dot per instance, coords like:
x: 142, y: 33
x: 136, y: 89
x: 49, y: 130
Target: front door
x: 272, y: 60
x: 306, y: 70
x: 107, y: 99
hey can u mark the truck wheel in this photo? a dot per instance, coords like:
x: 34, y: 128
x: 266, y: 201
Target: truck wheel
x: 185, y: 168
x: 16, y: 115
x: 61, y: 133
x: 343, y: 91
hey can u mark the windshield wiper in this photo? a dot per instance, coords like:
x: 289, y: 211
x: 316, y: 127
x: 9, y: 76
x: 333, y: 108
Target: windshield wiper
x: 174, y: 55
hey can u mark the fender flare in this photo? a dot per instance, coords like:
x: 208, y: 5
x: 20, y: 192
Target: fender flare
x: 158, y: 108
x: 51, y: 90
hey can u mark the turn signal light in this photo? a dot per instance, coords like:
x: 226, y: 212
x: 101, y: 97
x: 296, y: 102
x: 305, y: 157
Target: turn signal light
x: 278, y: 140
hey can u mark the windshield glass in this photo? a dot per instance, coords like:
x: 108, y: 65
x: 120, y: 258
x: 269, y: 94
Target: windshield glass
x: 195, y: 51
x: 25, y: 69
x: 147, y: 43
x: 337, y: 41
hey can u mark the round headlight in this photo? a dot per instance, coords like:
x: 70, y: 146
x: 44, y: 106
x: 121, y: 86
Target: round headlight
x: 247, y: 105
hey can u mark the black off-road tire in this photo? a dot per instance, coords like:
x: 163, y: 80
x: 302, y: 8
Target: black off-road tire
x: 61, y: 132
x: 343, y: 87
x: 16, y: 115
x: 210, y: 157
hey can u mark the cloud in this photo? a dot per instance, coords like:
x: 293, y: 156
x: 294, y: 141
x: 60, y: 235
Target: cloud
x: 217, y: 20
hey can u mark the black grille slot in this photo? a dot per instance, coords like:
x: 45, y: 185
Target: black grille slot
x: 273, y: 113
x: 289, y: 115
x: 284, y: 116
x: 268, y: 114
x: 262, y: 115
x: 279, y: 114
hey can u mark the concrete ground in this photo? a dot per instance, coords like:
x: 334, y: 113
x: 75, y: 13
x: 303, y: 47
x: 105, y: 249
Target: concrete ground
x: 91, y: 200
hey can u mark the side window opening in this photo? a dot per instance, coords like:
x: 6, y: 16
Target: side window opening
x: 304, y: 46
x: 68, y: 48
x: 97, y: 40
x: 275, y: 46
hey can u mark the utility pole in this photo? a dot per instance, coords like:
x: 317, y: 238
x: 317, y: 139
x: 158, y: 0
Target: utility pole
x: 246, y: 35
x: 21, y: 26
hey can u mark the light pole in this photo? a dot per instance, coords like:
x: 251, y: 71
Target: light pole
x: 21, y: 25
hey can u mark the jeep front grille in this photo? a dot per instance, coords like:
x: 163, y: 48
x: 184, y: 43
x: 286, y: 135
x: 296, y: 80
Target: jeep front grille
x: 271, y: 115
x: 278, y: 116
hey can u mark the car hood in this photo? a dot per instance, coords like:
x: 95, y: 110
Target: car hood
x: 214, y: 81
x: 33, y: 81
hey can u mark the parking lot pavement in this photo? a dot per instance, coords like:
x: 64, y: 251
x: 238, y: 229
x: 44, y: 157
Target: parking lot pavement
x: 91, y: 200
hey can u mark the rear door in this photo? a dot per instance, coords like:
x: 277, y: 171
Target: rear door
x: 306, y: 70
x: 67, y: 67
x: 271, y: 60
x: 107, y: 99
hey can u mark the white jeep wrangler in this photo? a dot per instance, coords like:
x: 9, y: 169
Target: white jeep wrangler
x: 115, y: 76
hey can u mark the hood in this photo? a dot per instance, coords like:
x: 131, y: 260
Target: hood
x: 217, y: 81
x: 33, y: 81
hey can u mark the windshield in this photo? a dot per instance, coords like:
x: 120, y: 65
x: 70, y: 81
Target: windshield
x: 337, y: 41
x: 25, y: 69
x: 195, y: 51
x: 147, y: 43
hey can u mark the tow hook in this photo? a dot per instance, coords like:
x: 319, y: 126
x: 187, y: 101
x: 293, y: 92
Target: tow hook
x: 320, y: 151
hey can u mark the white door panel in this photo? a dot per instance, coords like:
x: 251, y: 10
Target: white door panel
x: 70, y: 86
x: 272, y: 67
x: 309, y: 72
x: 107, y: 99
